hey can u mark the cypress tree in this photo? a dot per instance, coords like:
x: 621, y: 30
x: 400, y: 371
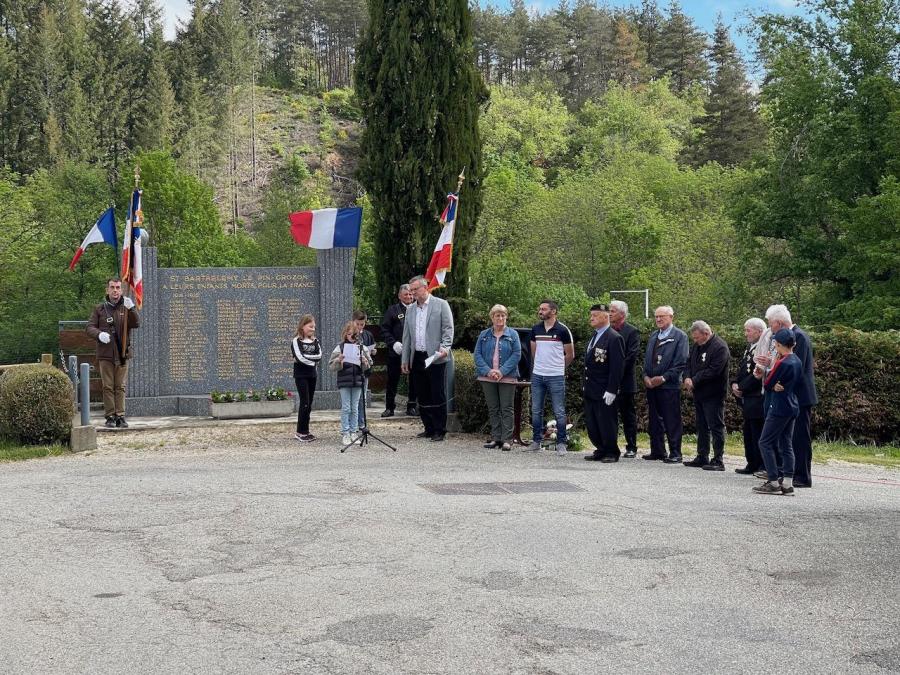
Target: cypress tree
x: 731, y: 128
x: 421, y: 96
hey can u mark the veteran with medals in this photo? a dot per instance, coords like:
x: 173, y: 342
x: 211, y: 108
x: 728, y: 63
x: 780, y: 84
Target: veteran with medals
x: 392, y: 335
x: 604, y: 364
x: 747, y: 389
x: 664, y: 363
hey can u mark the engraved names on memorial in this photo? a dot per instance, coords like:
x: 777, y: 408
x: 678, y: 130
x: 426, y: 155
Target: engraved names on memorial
x: 227, y: 329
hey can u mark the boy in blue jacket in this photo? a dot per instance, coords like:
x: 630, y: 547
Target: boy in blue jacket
x: 781, y: 409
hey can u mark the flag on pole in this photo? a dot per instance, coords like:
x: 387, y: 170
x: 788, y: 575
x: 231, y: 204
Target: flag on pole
x: 103, y: 232
x: 441, y: 258
x: 327, y: 228
x: 132, y: 272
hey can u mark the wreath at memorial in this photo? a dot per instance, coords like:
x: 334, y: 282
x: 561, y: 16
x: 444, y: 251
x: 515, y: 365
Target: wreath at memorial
x: 270, y: 394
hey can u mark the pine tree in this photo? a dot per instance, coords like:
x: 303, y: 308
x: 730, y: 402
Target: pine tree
x: 626, y: 64
x: 731, y: 128
x: 156, y: 109
x: 421, y: 96
x: 649, y: 27
x: 681, y: 49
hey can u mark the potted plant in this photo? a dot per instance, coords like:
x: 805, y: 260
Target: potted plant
x: 269, y: 402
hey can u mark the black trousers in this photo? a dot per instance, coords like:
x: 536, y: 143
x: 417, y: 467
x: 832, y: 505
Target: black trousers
x: 803, y: 447
x: 431, y: 388
x: 665, y: 421
x: 628, y: 414
x: 710, y: 415
x: 306, y: 389
x: 752, y: 431
x: 602, y: 425
x: 393, y: 380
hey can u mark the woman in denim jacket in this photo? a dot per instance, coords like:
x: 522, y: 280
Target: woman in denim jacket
x: 497, y: 355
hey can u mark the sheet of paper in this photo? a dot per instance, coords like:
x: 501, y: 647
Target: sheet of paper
x: 351, y: 354
x: 431, y: 359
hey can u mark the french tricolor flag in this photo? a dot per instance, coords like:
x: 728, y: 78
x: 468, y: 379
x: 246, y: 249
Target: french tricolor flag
x: 441, y: 259
x: 327, y: 228
x: 103, y: 232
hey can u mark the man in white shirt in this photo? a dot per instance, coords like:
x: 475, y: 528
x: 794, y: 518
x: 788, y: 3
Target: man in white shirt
x: 427, y: 337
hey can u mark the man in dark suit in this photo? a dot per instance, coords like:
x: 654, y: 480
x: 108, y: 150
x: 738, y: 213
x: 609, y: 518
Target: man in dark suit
x: 664, y: 361
x: 747, y: 389
x: 604, y: 362
x: 779, y: 318
x: 392, y: 334
x: 707, y: 380
x: 618, y: 312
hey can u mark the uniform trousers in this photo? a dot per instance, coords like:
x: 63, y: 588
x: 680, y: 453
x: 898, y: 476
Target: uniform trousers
x: 602, y: 425
x: 710, y: 415
x: 803, y: 446
x: 665, y: 421
x: 752, y: 431
x: 625, y: 404
x: 393, y: 381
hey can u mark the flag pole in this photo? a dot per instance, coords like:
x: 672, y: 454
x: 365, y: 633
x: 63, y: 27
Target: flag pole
x: 137, y: 179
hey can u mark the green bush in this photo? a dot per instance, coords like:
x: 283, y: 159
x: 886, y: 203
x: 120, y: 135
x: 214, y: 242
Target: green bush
x: 471, y: 408
x: 36, y: 405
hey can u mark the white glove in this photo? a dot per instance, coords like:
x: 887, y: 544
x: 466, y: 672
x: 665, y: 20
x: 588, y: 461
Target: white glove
x: 104, y: 337
x: 398, y: 347
x: 608, y: 398
x: 128, y: 302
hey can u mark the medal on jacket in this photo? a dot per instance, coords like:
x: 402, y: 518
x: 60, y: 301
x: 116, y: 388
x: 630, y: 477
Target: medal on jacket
x: 749, y: 367
x: 401, y: 315
x: 703, y: 357
x: 599, y: 355
x: 658, y: 359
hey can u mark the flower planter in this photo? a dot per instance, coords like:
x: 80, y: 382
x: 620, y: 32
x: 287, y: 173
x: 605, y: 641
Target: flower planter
x: 245, y: 409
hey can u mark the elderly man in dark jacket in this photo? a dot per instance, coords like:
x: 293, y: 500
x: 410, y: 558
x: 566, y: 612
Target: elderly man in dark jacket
x: 392, y: 334
x: 618, y: 312
x: 664, y: 362
x: 779, y: 318
x: 604, y: 361
x: 747, y: 389
x: 707, y: 380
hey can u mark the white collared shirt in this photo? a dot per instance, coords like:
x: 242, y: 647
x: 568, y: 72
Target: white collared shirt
x: 421, y: 319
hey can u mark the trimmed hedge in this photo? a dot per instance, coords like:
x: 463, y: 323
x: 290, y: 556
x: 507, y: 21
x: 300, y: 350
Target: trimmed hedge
x: 36, y: 405
x: 857, y: 376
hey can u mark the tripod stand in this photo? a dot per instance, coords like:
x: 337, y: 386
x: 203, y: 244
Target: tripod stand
x: 364, y: 432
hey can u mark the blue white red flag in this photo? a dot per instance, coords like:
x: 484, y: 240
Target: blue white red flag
x: 103, y: 232
x: 441, y: 259
x: 132, y: 272
x: 327, y: 228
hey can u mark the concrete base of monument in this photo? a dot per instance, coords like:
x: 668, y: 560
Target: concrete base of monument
x: 201, y: 405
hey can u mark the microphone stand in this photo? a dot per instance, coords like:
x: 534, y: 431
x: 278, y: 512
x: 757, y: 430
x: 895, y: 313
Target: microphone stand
x: 364, y: 432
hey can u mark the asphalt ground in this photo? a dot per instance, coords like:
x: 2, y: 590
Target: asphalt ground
x: 237, y: 550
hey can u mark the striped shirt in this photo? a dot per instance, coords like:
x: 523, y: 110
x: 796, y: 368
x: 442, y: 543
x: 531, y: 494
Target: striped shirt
x: 550, y: 351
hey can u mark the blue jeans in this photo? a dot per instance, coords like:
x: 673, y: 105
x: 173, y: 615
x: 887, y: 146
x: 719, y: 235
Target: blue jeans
x: 776, y: 447
x: 555, y: 385
x: 350, y: 409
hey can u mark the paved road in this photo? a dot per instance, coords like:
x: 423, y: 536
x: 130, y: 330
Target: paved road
x: 245, y: 553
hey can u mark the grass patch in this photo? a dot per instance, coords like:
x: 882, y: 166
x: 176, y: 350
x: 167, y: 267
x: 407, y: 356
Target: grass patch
x: 823, y: 451
x: 12, y: 452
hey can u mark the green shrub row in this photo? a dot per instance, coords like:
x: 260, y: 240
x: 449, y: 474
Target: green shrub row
x: 36, y: 405
x: 857, y: 376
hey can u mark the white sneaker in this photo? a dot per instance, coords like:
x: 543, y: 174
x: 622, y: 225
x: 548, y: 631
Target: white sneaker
x: 346, y: 439
x: 357, y: 439
x: 561, y: 449
x: 535, y: 446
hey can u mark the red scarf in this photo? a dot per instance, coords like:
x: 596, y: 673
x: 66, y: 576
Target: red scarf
x: 772, y: 372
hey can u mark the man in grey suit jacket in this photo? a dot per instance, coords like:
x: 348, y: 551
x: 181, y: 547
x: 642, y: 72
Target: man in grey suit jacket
x: 428, y: 332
